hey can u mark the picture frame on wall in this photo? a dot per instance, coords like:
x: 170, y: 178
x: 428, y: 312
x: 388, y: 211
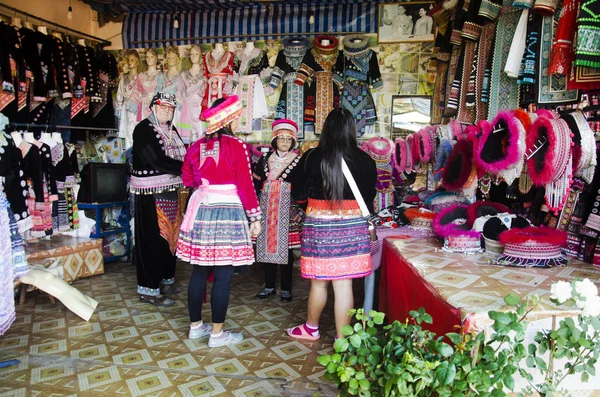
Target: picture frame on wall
x: 405, y: 22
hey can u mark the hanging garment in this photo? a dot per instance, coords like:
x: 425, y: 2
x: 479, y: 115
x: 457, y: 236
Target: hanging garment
x: 144, y: 88
x: 191, y: 91
x: 103, y: 112
x: 356, y: 71
x: 219, y: 77
x: 11, y: 163
x: 318, y: 66
x: 292, y: 97
x: 127, y: 117
x: 250, y: 71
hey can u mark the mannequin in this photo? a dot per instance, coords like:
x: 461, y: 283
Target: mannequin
x: 42, y: 29
x: 127, y: 120
x: 249, y: 48
x: 146, y: 85
x: 16, y: 22
x: 171, y: 75
x: 27, y: 25
x: 17, y: 138
x: 81, y: 42
x: 57, y: 35
x: 218, y: 51
x: 50, y: 281
x: 28, y: 137
x: 57, y: 137
x: 191, y: 89
x: 46, y: 138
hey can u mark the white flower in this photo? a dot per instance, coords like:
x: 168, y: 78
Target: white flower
x: 561, y: 291
x: 580, y: 303
x: 592, y: 306
x: 586, y: 288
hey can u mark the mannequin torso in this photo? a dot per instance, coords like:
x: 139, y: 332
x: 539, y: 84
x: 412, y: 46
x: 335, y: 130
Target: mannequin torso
x: 249, y: 48
x: 217, y: 52
x: 42, y: 29
x: 16, y: 22
x: 57, y: 35
x: 57, y: 137
x: 81, y: 42
x: 27, y: 25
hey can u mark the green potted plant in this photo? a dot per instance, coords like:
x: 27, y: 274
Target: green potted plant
x: 403, y: 359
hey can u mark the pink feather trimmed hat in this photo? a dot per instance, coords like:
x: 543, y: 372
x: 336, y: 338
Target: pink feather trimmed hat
x: 532, y: 247
x: 223, y: 114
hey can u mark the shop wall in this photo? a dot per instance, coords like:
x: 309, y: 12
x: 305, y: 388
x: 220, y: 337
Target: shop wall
x: 404, y: 67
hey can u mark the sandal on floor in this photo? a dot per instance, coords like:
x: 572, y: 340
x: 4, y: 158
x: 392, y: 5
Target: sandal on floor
x: 169, y: 289
x: 299, y: 332
x: 157, y: 300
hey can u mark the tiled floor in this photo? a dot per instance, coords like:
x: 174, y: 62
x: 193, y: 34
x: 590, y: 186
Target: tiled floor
x: 133, y: 348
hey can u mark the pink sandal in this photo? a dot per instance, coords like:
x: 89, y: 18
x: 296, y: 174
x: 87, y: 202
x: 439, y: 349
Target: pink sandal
x: 300, y: 332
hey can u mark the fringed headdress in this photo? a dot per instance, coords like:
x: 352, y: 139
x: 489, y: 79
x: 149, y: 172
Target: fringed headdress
x: 500, y: 150
x: 532, y: 247
x: 549, y: 159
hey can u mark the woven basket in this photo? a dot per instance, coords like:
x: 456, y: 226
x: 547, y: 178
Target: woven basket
x: 493, y: 246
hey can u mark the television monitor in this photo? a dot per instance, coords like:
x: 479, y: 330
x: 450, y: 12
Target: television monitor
x: 103, y: 183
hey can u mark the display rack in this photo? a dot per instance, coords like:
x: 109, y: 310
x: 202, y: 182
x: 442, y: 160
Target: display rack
x: 102, y: 232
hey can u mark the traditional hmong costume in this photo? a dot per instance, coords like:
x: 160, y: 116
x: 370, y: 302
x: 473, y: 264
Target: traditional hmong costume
x: 215, y: 228
x: 251, y: 71
x: 335, y: 239
x: 380, y: 149
x: 191, y: 92
x: 291, y: 100
x: 157, y: 153
x: 144, y: 88
x: 318, y: 66
x: 218, y: 74
x: 357, y: 71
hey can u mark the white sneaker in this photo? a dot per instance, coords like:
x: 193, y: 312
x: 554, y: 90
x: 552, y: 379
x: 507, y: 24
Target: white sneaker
x: 227, y: 338
x: 200, y: 332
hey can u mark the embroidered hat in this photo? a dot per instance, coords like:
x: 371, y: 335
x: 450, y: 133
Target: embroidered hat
x: 584, y: 151
x: 401, y: 156
x: 549, y: 160
x: 379, y: 148
x: 163, y: 98
x: 459, y: 166
x: 284, y: 127
x: 443, y: 199
x: 451, y: 220
x: 501, y: 148
x: 419, y: 218
x: 426, y: 144
x: 483, y: 208
x: 222, y: 114
x: 463, y: 242
x: 532, y: 247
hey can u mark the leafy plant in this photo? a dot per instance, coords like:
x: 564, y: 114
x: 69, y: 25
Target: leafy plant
x: 403, y: 359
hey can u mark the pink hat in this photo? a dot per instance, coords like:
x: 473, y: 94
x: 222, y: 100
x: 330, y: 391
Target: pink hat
x: 284, y: 127
x: 223, y: 114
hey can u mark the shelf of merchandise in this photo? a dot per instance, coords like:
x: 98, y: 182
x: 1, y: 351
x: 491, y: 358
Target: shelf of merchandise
x: 103, y: 232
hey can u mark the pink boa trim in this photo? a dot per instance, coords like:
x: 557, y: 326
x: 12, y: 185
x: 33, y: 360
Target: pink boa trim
x: 255, y: 149
x: 414, y: 148
x: 472, y: 209
x: 456, y: 129
x: 547, y: 173
x: 450, y: 228
x: 400, y: 155
x: 426, y: 137
x: 380, y: 152
x: 543, y: 235
x: 545, y: 113
x: 208, y: 113
x: 512, y: 146
x: 463, y: 149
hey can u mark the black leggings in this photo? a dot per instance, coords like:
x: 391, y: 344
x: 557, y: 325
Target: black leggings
x: 286, y: 273
x: 219, y: 297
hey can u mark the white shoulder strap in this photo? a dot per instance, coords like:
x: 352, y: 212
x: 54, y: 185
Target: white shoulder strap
x: 357, y: 196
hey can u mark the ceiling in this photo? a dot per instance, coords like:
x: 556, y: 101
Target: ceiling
x: 119, y: 7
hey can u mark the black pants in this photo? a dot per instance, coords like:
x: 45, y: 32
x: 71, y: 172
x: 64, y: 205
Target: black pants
x: 219, y: 297
x: 286, y: 273
x: 152, y: 256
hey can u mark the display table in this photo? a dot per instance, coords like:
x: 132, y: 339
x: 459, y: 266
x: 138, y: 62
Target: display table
x: 454, y: 288
x: 80, y: 257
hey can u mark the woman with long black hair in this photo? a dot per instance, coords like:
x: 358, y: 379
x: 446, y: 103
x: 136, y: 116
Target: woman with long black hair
x: 335, y: 239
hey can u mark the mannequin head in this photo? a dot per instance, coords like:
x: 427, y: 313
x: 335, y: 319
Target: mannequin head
x: 401, y: 10
x: 195, y: 54
x: 133, y: 60
x: 172, y: 57
x: 42, y: 29
x: 151, y: 57
x: 422, y: 12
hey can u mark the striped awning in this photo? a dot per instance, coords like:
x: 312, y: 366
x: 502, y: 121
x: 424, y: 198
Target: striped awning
x: 145, y: 29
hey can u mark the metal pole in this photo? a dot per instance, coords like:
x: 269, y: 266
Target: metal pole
x: 60, y: 127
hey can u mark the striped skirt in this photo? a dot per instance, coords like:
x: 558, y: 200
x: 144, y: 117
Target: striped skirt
x: 335, y: 242
x: 220, y: 235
